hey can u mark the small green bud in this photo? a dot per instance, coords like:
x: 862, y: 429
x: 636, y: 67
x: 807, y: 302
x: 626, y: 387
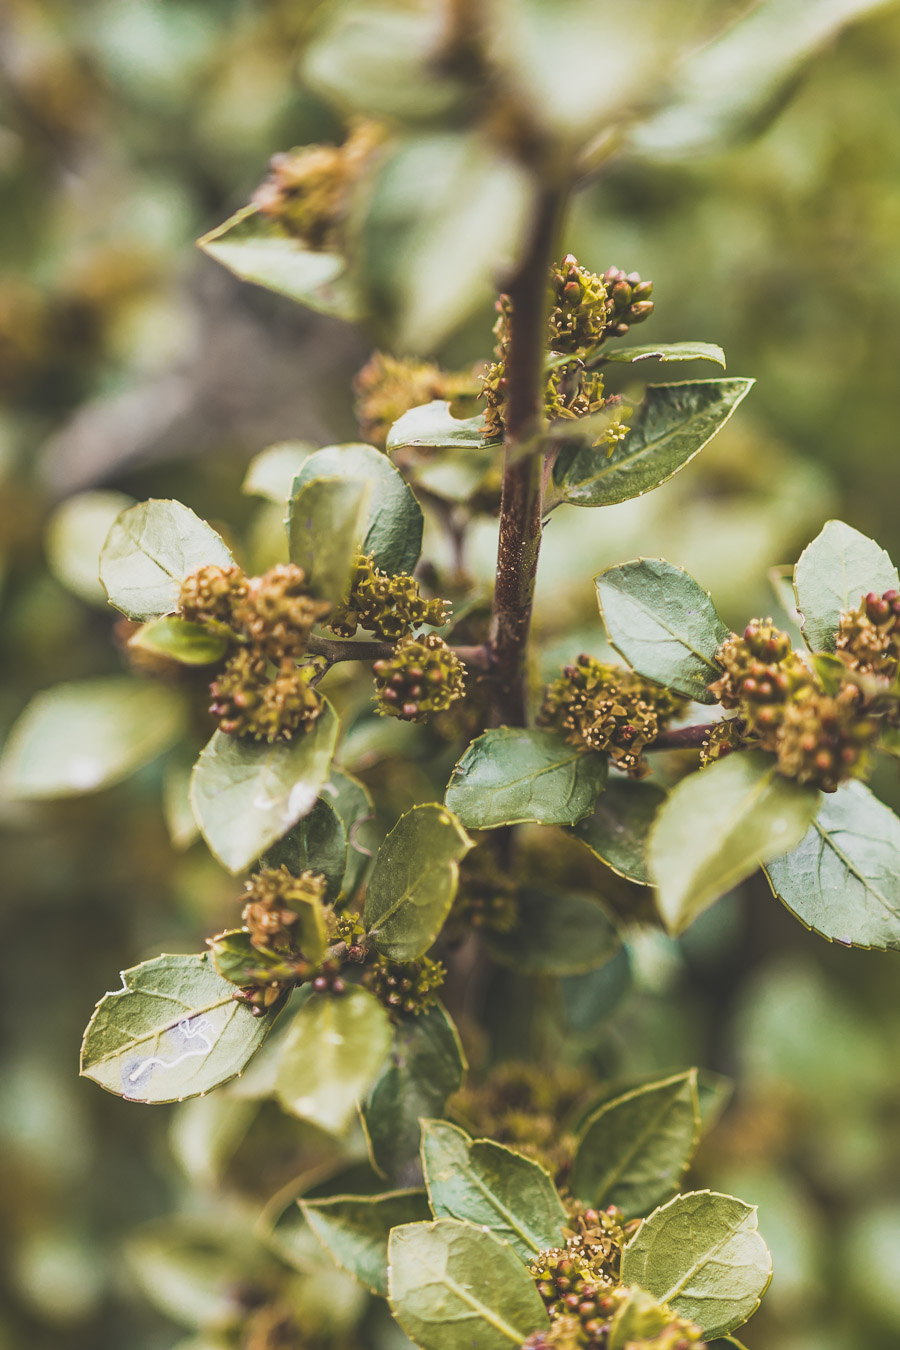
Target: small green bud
x: 423, y: 676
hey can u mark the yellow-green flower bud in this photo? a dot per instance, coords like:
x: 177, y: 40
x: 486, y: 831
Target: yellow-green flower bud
x: 422, y: 676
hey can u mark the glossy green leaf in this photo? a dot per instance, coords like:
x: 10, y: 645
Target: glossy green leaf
x: 731, y: 88
x: 352, y: 802
x: 557, y: 933
x: 393, y: 533
x: 672, y: 424
x: 451, y: 1284
x: 617, y: 831
x: 663, y: 624
x: 271, y: 473
x: 333, y: 1052
x: 413, y: 882
x: 487, y: 1184
x: 833, y: 574
x: 432, y: 426
x: 260, y: 250
x: 718, y: 826
x: 702, y: 1254
x: 188, y: 643
x: 355, y: 1229
x: 317, y: 843
x: 326, y: 524
x: 668, y: 351
x: 149, y: 551
x: 91, y: 734
x: 842, y: 878
x: 513, y: 775
x: 425, y: 1066
x: 633, y: 1151
x: 248, y: 794
x: 73, y: 539
x: 172, y: 1031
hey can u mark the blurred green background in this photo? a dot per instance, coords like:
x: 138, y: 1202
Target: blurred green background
x: 130, y: 362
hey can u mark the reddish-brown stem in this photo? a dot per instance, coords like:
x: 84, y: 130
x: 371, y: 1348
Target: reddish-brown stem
x: 522, y: 497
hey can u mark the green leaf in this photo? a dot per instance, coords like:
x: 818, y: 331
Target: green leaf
x: 668, y: 351
x: 260, y: 250
x: 443, y: 454
x: 189, y: 643
x: 557, y: 933
x: 663, y: 624
x: 634, y: 1150
x: 74, y: 537
x: 172, y: 1031
x: 617, y: 831
x: 317, y: 843
x: 248, y: 794
x: 80, y: 737
x: 833, y: 573
x: 702, y: 1254
x: 413, y: 882
x: 673, y: 423
x: 327, y: 519
x: 717, y: 826
x: 512, y: 775
x: 432, y: 426
x: 352, y: 802
x: 393, y: 531
x: 333, y: 1052
x: 452, y: 1284
x: 487, y: 1184
x: 841, y: 879
x: 425, y: 1066
x: 731, y: 88
x: 150, y: 550
x: 271, y: 473
x: 355, y: 1229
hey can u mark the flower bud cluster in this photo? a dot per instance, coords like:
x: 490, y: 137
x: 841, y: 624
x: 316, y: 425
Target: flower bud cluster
x: 248, y: 702
x: 388, y: 606
x: 388, y: 386
x: 609, y: 709
x: 273, y: 898
x: 584, y: 1318
x: 869, y: 636
x: 422, y: 676
x: 819, y: 738
x: 272, y: 903
x: 267, y: 621
x: 585, y: 310
x: 629, y: 301
x: 406, y: 989
x: 761, y: 673
x: 308, y: 191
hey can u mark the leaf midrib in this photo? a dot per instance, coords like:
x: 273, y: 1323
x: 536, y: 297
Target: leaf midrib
x: 615, y: 1174
x: 705, y: 1258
